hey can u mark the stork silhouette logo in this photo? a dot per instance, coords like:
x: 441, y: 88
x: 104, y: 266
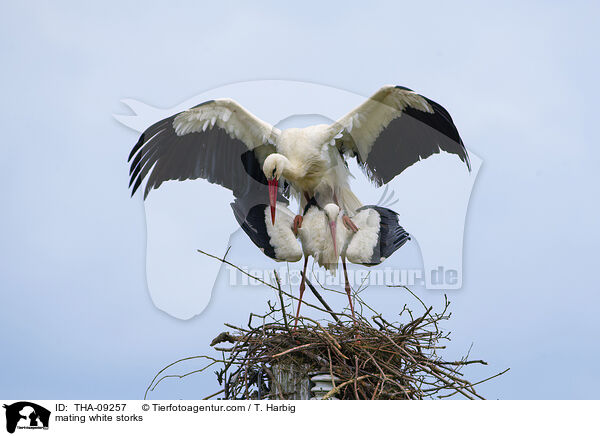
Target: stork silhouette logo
x: 244, y: 146
x: 25, y: 415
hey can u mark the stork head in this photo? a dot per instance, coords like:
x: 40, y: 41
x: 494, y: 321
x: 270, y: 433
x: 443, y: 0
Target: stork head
x: 332, y: 211
x: 273, y: 168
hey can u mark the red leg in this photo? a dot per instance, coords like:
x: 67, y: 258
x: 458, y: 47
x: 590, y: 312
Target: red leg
x: 302, y: 286
x: 348, y: 290
x: 349, y: 224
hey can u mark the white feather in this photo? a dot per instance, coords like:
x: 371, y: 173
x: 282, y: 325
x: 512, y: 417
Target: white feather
x: 367, y: 121
x: 281, y: 236
x: 362, y: 244
x: 316, y: 239
x: 357, y: 247
x: 230, y: 116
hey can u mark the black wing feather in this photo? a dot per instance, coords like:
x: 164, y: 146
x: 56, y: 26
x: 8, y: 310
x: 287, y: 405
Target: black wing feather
x: 413, y: 136
x: 392, y: 235
x: 253, y: 224
x: 251, y: 211
x: 161, y: 155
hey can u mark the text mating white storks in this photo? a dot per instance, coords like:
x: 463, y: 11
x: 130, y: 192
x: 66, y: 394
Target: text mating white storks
x: 372, y: 236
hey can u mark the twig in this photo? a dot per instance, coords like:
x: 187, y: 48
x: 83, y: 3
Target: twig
x: 299, y: 347
x: 287, y: 327
x: 214, y: 395
x: 322, y: 301
x: 335, y: 390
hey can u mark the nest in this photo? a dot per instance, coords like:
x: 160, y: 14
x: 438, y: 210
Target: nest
x: 367, y: 358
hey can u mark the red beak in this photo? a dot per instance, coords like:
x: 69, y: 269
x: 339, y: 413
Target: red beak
x: 273, y: 197
x: 332, y: 227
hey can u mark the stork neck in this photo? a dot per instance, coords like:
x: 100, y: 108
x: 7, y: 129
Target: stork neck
x: 291, y: 171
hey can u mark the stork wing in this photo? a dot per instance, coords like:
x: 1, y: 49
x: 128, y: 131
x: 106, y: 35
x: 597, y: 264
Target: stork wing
x: 393, y: 129
x: 276, y: 241
x: 218, y: 140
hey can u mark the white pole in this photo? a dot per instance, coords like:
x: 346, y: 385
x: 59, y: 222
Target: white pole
x: 323, y: 383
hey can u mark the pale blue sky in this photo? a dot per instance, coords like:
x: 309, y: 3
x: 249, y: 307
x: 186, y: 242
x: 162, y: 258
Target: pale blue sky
x: 519, y: 79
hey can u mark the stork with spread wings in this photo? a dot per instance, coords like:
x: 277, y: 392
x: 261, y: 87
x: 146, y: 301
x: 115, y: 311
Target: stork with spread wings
x: 222, y: 142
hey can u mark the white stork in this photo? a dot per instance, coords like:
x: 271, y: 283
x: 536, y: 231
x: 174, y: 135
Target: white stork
x: 326, y: 236
x: 224, y: 143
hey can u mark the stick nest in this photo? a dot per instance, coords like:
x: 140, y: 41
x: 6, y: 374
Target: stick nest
x: 372, y: 359
x: 369, y: 358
